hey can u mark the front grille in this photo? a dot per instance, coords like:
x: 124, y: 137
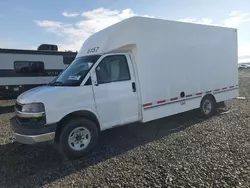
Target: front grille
x: 19, y: 107
x: 31, y: 121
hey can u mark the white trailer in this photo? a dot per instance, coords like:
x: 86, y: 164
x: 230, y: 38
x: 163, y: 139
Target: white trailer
x: 21, y: 70
x: 138, y: 70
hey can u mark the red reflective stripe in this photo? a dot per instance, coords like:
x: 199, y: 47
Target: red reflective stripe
x: 173, y: 99
x: 190, y: 95
x: 159, y: 102
x: 147, y: 104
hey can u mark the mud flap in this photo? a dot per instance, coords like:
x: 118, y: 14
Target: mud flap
x: 221, y: 104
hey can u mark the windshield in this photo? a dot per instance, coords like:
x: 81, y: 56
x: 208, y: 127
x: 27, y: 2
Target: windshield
x: 74, y: 74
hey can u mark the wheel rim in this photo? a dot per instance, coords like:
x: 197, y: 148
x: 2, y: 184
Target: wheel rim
x: 79, y: 138
x: 207, y: 106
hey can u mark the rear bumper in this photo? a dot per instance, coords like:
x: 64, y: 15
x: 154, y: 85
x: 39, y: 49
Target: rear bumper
x: 32, y: 133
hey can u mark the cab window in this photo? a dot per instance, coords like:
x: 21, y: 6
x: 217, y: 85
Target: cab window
x: 113, y: 69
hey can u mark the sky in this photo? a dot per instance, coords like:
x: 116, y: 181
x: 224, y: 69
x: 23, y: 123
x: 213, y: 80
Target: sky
x: 28, y: 23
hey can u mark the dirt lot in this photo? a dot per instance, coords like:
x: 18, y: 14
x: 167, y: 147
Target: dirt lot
x: 179, y: 151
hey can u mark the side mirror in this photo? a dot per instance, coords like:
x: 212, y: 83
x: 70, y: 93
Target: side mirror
x: 96, y: 83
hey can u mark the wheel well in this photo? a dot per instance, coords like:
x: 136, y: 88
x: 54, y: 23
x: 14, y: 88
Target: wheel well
x: 83, y: 113
x: 209, y: 95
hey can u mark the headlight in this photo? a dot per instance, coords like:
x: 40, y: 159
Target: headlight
x: 33, y: 108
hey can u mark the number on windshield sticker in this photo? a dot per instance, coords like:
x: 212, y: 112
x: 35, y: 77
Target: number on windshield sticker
x: 92, y: 50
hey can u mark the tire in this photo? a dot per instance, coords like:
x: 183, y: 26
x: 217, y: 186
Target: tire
x: 78, y: 137
x: 208, y: 106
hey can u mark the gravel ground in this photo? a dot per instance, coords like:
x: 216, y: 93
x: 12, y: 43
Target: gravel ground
x: 179, y: 151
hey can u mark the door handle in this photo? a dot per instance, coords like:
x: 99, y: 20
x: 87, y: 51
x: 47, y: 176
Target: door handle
x: 133, y: 86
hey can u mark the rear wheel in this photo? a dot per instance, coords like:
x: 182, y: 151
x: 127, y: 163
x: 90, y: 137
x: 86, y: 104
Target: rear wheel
x: 78, y: 137
x: 208, y: 106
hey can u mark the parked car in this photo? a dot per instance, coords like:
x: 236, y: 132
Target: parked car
x: 244, y: 66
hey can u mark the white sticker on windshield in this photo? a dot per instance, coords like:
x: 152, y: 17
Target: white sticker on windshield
x: 74, y: 77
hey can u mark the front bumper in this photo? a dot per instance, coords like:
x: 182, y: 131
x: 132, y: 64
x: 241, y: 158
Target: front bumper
x: 32, y: 133
x: 33, y: 139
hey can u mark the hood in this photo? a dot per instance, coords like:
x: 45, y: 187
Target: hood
x: 39, y: 94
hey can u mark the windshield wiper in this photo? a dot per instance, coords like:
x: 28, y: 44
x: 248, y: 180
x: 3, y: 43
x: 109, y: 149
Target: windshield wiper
x: 55, y: 83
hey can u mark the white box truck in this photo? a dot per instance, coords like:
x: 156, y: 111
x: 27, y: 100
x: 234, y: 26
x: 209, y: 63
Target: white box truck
x: 138, y: 70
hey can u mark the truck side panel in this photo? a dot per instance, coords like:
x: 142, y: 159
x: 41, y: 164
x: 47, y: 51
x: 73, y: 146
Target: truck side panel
x: 192, y: 59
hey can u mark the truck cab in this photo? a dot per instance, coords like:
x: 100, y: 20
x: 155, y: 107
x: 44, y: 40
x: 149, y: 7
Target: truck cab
x: 99, y: 90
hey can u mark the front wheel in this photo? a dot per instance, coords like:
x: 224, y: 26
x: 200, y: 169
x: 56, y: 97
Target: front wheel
x: 208, y: 106
x: 78, y: 137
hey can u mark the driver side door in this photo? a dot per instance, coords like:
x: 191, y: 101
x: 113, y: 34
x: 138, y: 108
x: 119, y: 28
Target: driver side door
x: 115, y: 92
